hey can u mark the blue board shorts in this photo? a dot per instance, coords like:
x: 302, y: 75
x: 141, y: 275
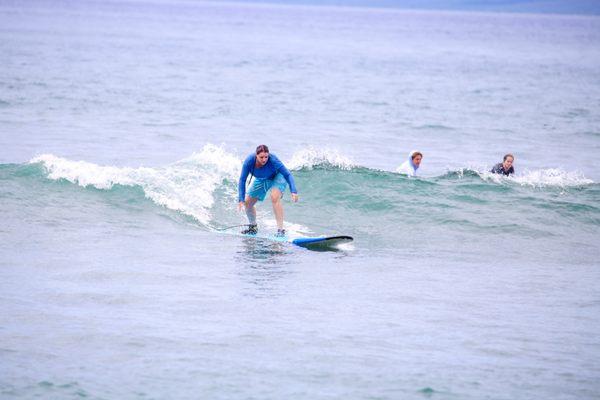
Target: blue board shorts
x: 260, y: 187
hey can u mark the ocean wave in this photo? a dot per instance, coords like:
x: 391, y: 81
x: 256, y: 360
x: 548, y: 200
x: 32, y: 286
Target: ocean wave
x: 186, y: 186
x: 543, y: 178
x: 204, y: 185
x: 311, y: 158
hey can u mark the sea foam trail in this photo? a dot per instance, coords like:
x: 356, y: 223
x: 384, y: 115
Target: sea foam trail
x: 542, y: 178
x: 186, y: 186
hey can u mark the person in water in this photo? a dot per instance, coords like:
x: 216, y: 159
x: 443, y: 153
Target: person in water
x: 410, y: 166
x: 505, y: 167
x: 269, y: 174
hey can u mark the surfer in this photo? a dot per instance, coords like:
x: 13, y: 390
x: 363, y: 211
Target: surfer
x: 269, y: 174
x: 410, y: 166
x: 505, y: 167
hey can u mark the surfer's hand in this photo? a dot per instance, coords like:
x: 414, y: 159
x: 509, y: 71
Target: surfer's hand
x: 240, y: 206
x: 295, y: 197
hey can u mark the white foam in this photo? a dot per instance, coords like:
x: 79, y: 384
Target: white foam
x: 293, y: 230
x: 310, y: 157
x: 186, y: 186
x: 346, y: 246
x: 84, y: 173
x: 551, y: 177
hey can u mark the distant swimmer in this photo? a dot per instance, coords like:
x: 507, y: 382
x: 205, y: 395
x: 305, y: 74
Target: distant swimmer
x: 505, y: 167
x: 269, y: 174
x: 410, y: 166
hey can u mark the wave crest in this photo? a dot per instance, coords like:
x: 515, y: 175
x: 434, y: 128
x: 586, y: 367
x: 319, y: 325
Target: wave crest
x: 543, y: 178
x: 311, y: 158
x: 186, y: 186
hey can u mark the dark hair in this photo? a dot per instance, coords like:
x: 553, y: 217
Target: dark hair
x: 416, y: 153
x: 508, y: 155
x: 262, y: 148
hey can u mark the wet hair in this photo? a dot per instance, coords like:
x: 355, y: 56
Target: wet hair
x: 508, y: 155
x: 416, y: 153
x: 262, y: 149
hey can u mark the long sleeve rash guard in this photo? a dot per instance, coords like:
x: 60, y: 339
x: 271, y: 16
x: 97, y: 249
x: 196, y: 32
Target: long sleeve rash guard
x: 268, y: 171
x: 499, y: 169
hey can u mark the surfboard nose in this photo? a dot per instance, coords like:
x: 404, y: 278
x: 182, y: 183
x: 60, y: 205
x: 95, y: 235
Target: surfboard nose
x: 322, y: 242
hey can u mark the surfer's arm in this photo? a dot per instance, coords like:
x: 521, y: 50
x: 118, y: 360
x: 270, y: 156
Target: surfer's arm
x: 289, y: 178
x: 242, y: 182
x: 280, y: 168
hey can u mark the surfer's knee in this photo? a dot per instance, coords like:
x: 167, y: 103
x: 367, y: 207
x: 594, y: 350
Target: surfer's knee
x: 249, y: 203
x: 275, y: 195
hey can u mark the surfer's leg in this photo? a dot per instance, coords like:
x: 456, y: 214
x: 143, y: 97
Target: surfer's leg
x: 250, y: 209
x: 277, y: 206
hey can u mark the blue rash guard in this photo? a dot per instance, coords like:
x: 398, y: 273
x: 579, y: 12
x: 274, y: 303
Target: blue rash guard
x: 267, y: 171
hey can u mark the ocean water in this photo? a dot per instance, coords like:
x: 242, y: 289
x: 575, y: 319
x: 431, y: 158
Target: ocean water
x: 123, y: 126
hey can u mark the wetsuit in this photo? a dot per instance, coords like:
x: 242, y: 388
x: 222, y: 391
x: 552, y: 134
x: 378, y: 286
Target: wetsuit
x: 499, y: 169
x: 267, y: 171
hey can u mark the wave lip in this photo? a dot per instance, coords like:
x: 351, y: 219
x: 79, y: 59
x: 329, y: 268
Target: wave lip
x: 186, y: 186
x: 544, y: 178
x: 553, y: 177
x: 83, y: 173
x: 310, y: 158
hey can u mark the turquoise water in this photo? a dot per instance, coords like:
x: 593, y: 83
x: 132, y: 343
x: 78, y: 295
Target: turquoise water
x: 122, y: 131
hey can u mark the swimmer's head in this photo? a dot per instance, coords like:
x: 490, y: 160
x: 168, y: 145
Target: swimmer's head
x: 416, y: 157
x: 507, y: 162
x: 262, y: 154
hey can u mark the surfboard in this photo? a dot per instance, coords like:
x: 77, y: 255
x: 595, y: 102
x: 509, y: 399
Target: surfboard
x: 318, y: 243
x: 322, y: 242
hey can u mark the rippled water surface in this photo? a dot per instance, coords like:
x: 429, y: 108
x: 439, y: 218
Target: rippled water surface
x: 122, y: 130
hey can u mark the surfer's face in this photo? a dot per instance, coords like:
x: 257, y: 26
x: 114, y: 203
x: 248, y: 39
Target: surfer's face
x: 417, y: 160
x: 262, y: 158
x: 506, y: 164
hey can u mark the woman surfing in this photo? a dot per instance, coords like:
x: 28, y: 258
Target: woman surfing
x: 269, y: 175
